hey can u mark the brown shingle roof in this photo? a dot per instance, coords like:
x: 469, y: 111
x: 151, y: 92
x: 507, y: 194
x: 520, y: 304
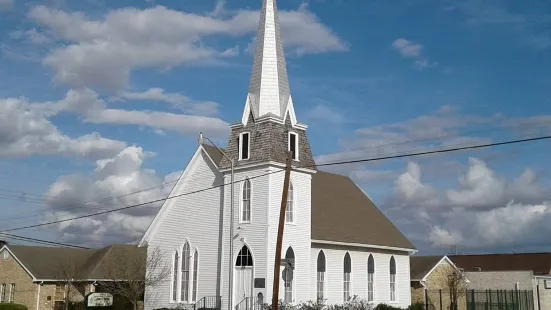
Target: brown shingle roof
x: 50, y: 263
x: 342, y: 212
x: 214, y: 153
x: 421, y: 265
x: 539, y: 263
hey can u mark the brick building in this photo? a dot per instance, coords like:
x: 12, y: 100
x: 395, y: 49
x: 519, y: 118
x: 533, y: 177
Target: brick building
x: 429, y: 276
x: 515, y: 271
x: 41, y: 277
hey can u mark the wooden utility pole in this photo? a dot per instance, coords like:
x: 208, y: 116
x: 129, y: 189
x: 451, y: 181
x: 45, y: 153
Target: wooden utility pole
x: 277, y: 262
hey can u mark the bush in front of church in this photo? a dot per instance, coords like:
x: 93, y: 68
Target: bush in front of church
x: 12, y: 306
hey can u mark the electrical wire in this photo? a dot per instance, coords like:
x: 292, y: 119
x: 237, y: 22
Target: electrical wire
x: 320, y: 165
x: 40, y: 241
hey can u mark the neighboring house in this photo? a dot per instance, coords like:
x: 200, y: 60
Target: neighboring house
x: 40, y: 277
x: 340, y: 244
x: 429, y: 281
x: 522, y: 271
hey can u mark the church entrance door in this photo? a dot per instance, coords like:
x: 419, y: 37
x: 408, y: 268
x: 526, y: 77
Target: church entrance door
x: 243, y: 276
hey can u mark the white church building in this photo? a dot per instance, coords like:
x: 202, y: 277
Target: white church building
x: 340, y: 244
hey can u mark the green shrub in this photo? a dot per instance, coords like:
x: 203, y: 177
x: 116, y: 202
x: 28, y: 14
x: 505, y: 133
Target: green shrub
x: 417, y: 306
x: 386, y: 307
x: 12, y: 306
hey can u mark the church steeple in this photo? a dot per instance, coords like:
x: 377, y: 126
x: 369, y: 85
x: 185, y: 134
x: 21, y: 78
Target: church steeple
x: 269, y: 93
x: 268, y: 128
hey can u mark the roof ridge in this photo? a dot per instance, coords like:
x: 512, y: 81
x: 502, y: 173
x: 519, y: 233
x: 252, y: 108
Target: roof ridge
x: 97, y: 263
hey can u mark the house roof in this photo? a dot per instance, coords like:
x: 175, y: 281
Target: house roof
x: 52, y: 263
x: 421, y: 266
x: 341, y: 212
x: 539, y: 263
x: 214, y: 153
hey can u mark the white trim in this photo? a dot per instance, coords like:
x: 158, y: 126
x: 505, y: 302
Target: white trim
x: 5, y: 247
x: 246, y: 111
x: 444, y: 258
x: 324, y: 275
x: 180, y: 269
x: 293, y: 281
x: 543, y: 277
x: 194, y: 291
x: 350, y: 290
x: 289, y: 134
x: 167, y: 205
x: 269, y: 163
x: 247, y: 178
x: 170, y: 295
x: 395, y: 281
x: 361, y: 245
x: 293, y: 201
x: 235, y: 254
x: 38, y: 296
x: 11, y: 297
x: 367, y: 277
x: 240, y: 151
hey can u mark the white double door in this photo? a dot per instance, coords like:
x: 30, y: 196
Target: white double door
x: 243, y: 284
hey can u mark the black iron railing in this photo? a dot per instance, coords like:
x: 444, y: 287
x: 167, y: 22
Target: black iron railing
x: 249, y: 303
x: 208, y: 303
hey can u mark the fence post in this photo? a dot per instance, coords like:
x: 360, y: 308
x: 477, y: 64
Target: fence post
x: 491, y: 305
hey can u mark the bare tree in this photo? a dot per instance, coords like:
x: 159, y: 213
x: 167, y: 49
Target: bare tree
x: 456, y: 283
x: 69, y: 286
x: 133, y: 270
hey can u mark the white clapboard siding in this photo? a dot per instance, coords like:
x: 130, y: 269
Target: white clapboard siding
x: 335, y: 268
x: 196, y: 218
x: 252, y: 234
x: 297, y: 236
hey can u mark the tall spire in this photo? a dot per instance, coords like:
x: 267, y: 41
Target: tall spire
x: 269, y: 85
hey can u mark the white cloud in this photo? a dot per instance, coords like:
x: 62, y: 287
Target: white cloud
x: 87, y: 103
x: 479, y: 187
x: 102, y: 52
x: 27, y: 132
x: 108, y: 187
x: 179, y: 101
x: 483, y: 211
x: 441, y: 237
x: 413, y: 51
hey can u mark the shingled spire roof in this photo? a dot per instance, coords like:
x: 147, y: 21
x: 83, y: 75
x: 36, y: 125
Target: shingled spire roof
x: 269, y: 93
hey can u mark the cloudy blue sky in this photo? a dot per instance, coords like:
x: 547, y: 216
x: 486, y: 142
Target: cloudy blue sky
x: 103, y: 98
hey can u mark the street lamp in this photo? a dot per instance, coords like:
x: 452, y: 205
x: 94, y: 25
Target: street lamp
x: 230, y: 258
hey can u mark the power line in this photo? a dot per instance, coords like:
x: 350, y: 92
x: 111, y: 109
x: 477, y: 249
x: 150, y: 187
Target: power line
x: 455, y: 149
x: 470, y: 147
x: 40, y: 241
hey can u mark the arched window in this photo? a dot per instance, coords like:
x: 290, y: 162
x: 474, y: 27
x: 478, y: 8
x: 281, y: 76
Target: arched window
x: 184, y: 292
x: 370, y: 277
x: 290, y: 209
x: 195, y: 270
x: 289, y: 257
x: 346, y: 276
x: 321, y: 277
x: 392, y: 279
x: 175, y: 277
x: 244, y: 258
x: 246, y: 202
